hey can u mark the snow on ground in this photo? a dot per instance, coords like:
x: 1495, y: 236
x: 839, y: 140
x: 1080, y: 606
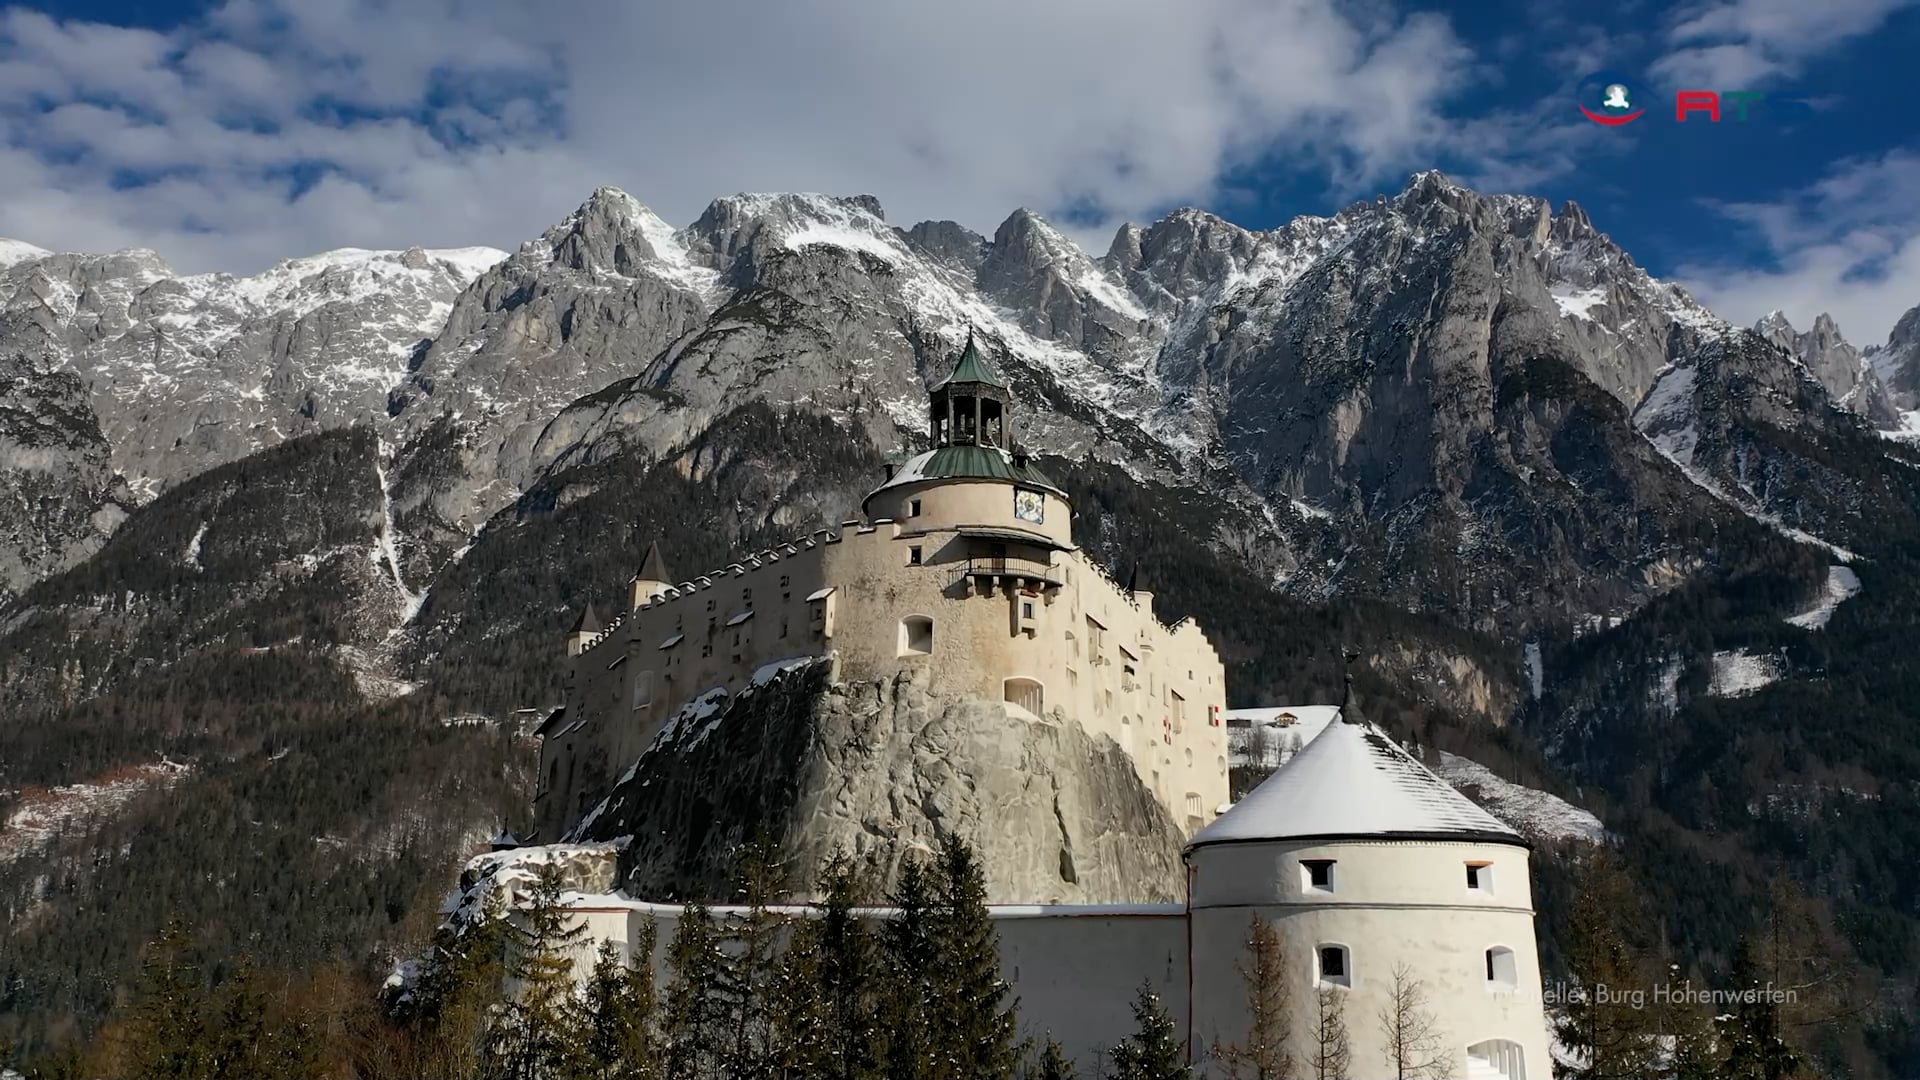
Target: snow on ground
x: 1739, y: 672
x: 42, y: 814
x: 492, y: 882
x: 1577, y: 302
x: 19, y: 251
x: 1536, y: 671
x: 1282, y: 739
x: 193, y: 546
x: 1842, y: 584
x: 1538, y: 814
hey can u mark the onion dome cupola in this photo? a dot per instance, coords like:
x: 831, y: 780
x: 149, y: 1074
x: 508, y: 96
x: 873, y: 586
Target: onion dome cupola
x: 976, y: 480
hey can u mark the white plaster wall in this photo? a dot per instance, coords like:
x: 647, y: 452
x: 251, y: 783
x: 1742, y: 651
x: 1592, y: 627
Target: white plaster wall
x: 1393, y: 902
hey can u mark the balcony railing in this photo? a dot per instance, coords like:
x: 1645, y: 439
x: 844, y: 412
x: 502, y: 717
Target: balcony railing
x: 1000, y: 568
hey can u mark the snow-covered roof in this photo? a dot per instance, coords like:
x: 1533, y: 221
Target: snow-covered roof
x: 1353, y: 782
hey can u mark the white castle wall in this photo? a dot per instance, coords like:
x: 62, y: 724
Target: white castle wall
x: 1082, y: 647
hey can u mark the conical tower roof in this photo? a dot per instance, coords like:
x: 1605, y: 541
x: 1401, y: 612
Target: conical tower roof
x: 1352, y: 782
x: 653, y: 565
x: 587, y: 623
x: 972, y: 368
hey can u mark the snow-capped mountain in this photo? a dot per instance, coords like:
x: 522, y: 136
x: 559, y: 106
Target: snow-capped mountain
x: 1387, y: 372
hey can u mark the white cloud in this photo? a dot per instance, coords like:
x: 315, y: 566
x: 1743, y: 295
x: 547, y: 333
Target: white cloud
x: 448, y: 122
x: 1733, y: 44
x: 1848, y: 245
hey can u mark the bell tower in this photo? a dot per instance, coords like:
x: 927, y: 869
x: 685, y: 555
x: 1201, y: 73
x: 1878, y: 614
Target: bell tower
x: 972, y: 406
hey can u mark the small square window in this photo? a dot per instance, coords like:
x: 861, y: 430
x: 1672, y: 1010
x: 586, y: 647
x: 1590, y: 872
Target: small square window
x: 913, y: 508
x: 1480, y: 877
x: 1318, y: 873
x: 1026, y: 609
x: 1334, y: 966
x: 913, y: 555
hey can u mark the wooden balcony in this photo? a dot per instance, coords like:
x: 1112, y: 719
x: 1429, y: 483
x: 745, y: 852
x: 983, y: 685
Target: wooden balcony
x: 1000, y: 570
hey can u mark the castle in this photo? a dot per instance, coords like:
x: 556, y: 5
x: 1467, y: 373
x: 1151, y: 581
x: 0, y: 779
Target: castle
x: 965, y: 565
x: 1383, y: 882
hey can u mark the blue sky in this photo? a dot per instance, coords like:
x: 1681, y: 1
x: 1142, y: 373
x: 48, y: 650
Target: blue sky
x: 228, y: 135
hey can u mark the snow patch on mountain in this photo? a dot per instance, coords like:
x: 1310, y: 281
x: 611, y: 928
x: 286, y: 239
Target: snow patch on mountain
x: 1737, y: 672
x: 1576, y: 302
x: 19, y: 251
x: 1536, y: 813
x: 1841, y: 585
x: 41, y: 815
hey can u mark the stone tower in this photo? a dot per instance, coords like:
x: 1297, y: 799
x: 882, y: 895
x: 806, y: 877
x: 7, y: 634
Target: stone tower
x: 1370, y: 867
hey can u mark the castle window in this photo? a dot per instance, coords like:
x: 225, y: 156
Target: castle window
x: 1502, y: 973
x: 913, y: 555
x: 784, y: 580
x: 1026, y: 609
x: 916, y: 635
x: 643, y: 690
x: 1189, y: 757
x: 1193, y: 804
x: 709, y: 603
x: 553, y: 775
x: 1073, y: 677
x: 1026, y: 693
x: 1179, y: 706
x: 1317, y: 874
x: 1480, y: 877
x: 1335, y: 964
x: 706, y: 648
x: 783, y: 626
x: 913, y: 508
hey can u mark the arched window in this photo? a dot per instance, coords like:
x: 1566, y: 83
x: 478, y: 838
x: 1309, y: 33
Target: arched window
x: 1333, y: 965
x: 1501, y: 972
x: 1498, y: 1057
x: 916, y: 635
x: 1026, y: 693
x: 642, y: 689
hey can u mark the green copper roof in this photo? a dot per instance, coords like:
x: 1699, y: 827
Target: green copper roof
x: 981, y: 463
x: 973, y: 368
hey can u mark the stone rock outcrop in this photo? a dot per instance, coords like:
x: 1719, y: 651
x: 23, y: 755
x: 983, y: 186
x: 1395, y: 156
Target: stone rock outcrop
x: 62, y: 498
x: 880, y: 769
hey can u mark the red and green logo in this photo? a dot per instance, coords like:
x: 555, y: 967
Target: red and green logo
x: 1608, y: 99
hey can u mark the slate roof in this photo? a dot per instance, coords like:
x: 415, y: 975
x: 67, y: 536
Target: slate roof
x: 1352, y: 782
x: 653, y: 566
x: 587, y: 623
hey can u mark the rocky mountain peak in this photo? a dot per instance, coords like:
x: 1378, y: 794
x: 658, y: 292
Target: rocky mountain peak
x: 608, y: 233
x: 1124, y: 254
x: 950, y: 244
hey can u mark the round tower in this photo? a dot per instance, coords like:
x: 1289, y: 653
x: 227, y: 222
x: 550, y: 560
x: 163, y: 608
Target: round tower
x: 1377, y: 875
x: 976, y: 480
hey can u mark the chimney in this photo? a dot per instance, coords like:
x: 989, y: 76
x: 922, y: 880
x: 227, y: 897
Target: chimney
x: 889, y: 471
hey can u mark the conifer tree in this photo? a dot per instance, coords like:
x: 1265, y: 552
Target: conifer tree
x: 1605, y: 1039
x: 617, y: 1013
x: 910, y: 952
x: 1330, y: 1054
x: 169, y: 1029
x: 749, y: 967
x: 1153, y: 1051
x: 1267, y: 1052
x: 829, y: 1024
x: 460, y: 999
x: 1053, y: 1064
x: 693, y: 1019
x: 974, y: 1023
x: 537, y: 1038
x: 1756, y: 1049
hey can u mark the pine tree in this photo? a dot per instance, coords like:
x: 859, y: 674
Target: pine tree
x: 910, y: 952
x: 169, y: 1028
x: 828, y: 1025
x: 749, y: 968
x: 461, y: 998
x: 1756, y: 1049
x: 1415, y: 1049
x: 1153, y: 1051
x: 537, y: 1038
x: 617, y: 1013
x: 1267, y: 1052
x: 1053, y: 1064
x: 1605, y: 1039
x: 974, y: 1023
x: 693, y: 1019
x: 1331, y: 1053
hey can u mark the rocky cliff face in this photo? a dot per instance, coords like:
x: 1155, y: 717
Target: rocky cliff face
x: 57, y: 482
x: 880, y: 770
x: 1896, y: 366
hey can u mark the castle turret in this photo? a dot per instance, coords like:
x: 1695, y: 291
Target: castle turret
x: 1373, y: 871
x: 976, y: 481
x: 653, y: 578
x: 585, y: 629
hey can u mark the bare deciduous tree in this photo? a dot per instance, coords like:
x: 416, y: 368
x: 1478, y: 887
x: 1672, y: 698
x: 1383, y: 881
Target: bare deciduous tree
x: 1415, y: 1049
x: 1331, y: 1052
x: 1266, y: 1054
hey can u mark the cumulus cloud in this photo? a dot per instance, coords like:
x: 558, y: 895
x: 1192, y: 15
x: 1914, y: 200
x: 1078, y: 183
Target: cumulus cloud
x: 1848, y: 245
x: 1733, y: 44
x: 270, y: 128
